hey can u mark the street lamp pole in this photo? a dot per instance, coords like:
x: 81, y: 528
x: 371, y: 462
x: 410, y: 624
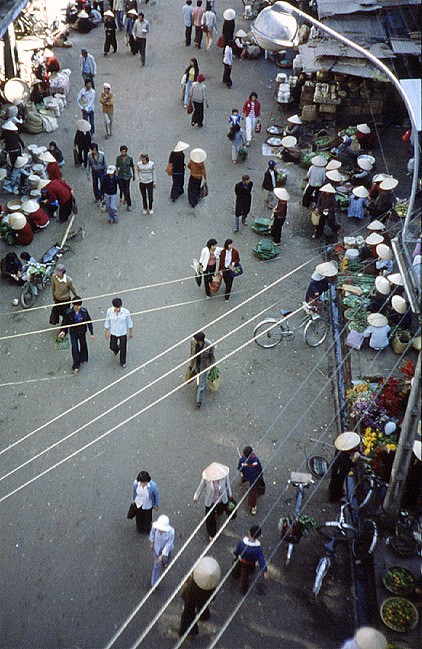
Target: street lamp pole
x: 399, y: 244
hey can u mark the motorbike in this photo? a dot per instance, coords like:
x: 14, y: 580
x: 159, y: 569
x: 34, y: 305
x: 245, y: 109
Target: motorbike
x: 39, y: 275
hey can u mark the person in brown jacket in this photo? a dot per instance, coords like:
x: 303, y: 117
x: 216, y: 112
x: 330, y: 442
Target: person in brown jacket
x: 107, y: 103
x: 198, y: 172
x: 62, y: 286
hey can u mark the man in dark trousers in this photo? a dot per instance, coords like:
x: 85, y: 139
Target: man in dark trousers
x: 243, y: 191
x: 76, y: 321
x: 248, y: 553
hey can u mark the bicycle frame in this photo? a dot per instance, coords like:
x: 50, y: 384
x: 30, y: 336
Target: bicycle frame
x: 300, y: 481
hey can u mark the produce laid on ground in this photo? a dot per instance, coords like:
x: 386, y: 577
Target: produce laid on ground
x: 399, y: 614
x: 399, y: 581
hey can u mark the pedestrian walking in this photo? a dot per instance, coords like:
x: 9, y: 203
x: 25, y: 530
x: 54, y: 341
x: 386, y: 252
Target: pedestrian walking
x: 196, y: 166
x: 316, y: 178
x: 326, y: 206
x: 107, y: 104
x: 198, y: 96
x: 366, y: 637
x: 177, y: 170
x: 119, y: 13
x: 126, y: 172
x: 86, y: 102
x: 248, y: 553
x: 196, y: 592
x: 237, y: 138
x: 187, y: 21
x: 190, y: 76
x: 82, y: 142
x: 243, y: 193
x: 161, y: 543
x: 57, y: 194
x: 88, y: 66
x: 209, y: 26
x: 250, y: 468
x: 146, y: 497
x: 110, y: 28
x: 96, y: 167
x: 205, y: 350
x: 62, y: 287
x: 215, y: 481
x: 140, y: 32
x: 269, y: 183
x: 197, y: 13
x: 76, y: 321
x: 347, y: 454
x: 118, y: 324
x: 210, y: 254
x: 147, y: 182
x: 228, y: 63
x: 279, y: 213
x: 234, y: 118
x: 108, y: 188
x: 229, y: 261
x: 131, y: 16
x: 251, y: 113
x: 228, y: 28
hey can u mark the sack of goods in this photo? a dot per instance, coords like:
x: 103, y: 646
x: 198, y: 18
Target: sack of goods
x: 261, y: 225
x: 243, y: 154
x: 214, y: 378
x: 266, y: 249
x: 216, y: 282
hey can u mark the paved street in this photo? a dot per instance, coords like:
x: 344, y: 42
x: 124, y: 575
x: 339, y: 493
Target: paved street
x: 72, y: 567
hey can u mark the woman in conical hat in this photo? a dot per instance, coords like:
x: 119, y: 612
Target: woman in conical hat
x: 176, y: 168
x: 215, y: 481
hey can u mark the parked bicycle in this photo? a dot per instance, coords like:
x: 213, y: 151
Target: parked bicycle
x: 292, y: 528
x: 271, y: 331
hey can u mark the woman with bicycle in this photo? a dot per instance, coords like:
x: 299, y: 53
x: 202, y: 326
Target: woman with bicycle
x: 348, y: 446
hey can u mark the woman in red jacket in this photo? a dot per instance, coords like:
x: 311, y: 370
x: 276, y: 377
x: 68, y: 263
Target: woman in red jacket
x: 229, y: 259
x: 251, y: 112
x: 53, y: 169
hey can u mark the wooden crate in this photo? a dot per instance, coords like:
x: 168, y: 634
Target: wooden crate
x: 309, y: 113
x: 330, y: 109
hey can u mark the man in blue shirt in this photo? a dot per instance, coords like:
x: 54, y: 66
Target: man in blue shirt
x: 251, y: 470
x: 248, y: 553
x: 187, y: 19
x: 117, y: 324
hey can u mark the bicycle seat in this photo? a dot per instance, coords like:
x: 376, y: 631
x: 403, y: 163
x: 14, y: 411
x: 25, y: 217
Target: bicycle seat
x: 283, y: 312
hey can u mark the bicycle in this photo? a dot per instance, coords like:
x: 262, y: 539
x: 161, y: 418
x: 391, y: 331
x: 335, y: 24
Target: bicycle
x: 369, y: 493
x: 290, y: 527
x: 271, y: 331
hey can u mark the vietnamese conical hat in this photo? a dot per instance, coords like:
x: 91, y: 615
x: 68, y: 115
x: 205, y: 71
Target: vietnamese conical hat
x: 207, y: 573
x: 375, y: 226
x: 363, y: 128
x: 389, y: 183
x: 20, y: 162
x: 229, y: 14
x: 382, y: 285
x: 198, y: 155
x: 9, y: 126
x: 328, y: 189
x: 17, y: 221
x: 374, y: 239
x: 319, y: 161
x: 334, y: 175
x: 399, y: 304
x: 365, y: 164
x: 360, y: 192
x: 396, y: 279
x: 43, y: 182
x: 378, y: 178
x: 377, y: 320
x: 281, y: 193
x: 346, y: 441
x: 333, y: 164
x: 83, y: 14
x: 133, y: 12
x: 289, y: 141
x: 83, y: 125
x: 417, y: 449
x: 108, y: 13
x: 181, y: 146
x: 327, y: 269
x: 294, y: 119
x: 368, y: 638
x: 215, y: 471
x: 47, y: 157
x: 30, y: 206
x: 240, y: 33
x: 384, y: 252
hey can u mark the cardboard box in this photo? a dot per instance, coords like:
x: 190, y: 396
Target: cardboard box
x: 309, y: 113
x: 330, y: 109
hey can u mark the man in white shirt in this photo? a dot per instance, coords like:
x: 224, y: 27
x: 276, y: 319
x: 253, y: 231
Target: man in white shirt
x: 228, y: 62
x: 187, y: 19
x: 86, y: 102
x: 117, y: 324
x: 139, y: 33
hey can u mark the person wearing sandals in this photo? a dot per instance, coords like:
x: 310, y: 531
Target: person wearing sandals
x: 205, y: 358
x: 229, y: 259
x: 215, y: 481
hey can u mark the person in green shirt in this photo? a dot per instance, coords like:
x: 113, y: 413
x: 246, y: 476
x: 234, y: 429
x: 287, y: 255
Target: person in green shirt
x: 126, y: 172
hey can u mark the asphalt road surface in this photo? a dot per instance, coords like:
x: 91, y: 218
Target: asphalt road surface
x: 73, y: 568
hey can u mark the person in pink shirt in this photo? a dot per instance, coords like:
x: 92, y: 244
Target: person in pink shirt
x: 197, y: 13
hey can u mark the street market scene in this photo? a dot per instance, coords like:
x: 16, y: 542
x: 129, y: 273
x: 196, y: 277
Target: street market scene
x: 226, y: 195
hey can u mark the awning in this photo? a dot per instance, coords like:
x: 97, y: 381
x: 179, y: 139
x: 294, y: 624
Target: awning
x: 412, y: 88
x: 9, y: 11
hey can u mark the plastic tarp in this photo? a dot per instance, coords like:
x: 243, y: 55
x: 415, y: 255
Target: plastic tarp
x: 412, y: 88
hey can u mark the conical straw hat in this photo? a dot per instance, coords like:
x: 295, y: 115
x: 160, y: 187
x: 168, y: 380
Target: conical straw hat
x: 389, y: 183
x: 396, y: 279
x: 333, y: 164
x: 215, y: 471
x: 281, y: 193
x: 384, y: 252
x: 181, y: 146
x: 198, y: 155
x: 368, y: 638
x: 399, y: 304
x: 346, y: 441
x: 207, y: 573
x: 382, y: 285
x: 334, y: 176
x: 376, y: 226
x: 377, y: 320
x: 294, y: 119
x: 319, y: 161
x: 360, y: 192
x: 374, y: 239
x: 328, y: 189
x: 289, y: 141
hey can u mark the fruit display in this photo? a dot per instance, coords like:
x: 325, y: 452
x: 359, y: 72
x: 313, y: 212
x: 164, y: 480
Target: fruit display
x: 399, y: 581
x: 399, y: 614
x: 401, y: 208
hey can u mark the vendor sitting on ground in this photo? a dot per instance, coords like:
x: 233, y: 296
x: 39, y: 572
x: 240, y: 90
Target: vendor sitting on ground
x: 290, y: 152
x: 380, y: 208
x: 11, y: 268
x: 294, y: 127
x: 365, y: 137
x: 363, y: 175
x: 377, y: 331
x: 35, y: 215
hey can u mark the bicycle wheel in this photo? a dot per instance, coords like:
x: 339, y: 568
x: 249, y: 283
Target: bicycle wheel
x: 315, y: 332
x: 363, y: 491
x: 27, y: 297
x: 338, y: 531
x: 272, y: 337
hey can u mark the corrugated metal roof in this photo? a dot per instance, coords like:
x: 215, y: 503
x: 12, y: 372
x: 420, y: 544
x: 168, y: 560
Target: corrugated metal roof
x: 9, y: 11
x: 338, y: 7
x: 405, y: 46
x: 361, y: 28
x: 312, y: 61
x: 332, y: 48
x: 412, y: 88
